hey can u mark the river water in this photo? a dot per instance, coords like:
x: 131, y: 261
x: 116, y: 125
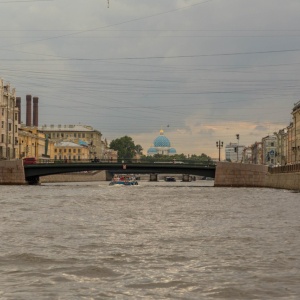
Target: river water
x: 157, y: 240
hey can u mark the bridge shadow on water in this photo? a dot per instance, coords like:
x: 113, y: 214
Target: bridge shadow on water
x: 34, y: 171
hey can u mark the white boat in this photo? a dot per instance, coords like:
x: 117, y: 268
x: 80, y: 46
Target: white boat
x: 121, y: 179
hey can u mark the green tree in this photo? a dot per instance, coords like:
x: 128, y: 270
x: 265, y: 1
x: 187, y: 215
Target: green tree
x: 138, y: 149
x: 125, y: 147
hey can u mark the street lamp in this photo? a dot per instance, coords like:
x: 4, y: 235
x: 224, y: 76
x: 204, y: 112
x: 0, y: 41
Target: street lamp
x: 219, y: 145
x: 237, y: 149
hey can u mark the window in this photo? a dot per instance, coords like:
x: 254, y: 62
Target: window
x: 70, y: 150
x: 3, y: 111
x: 55, y: 150
x: 16, y: 128
x: 9, y: 126
x: 74, y: 150
x: 2, y: 124
x: 272, y: 144
x: 2, y: 138
x: 83, y: 135
x: 65, y: 150
x: 16, y: 116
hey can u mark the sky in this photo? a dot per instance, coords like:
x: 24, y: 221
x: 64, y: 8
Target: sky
x: 201, y: 70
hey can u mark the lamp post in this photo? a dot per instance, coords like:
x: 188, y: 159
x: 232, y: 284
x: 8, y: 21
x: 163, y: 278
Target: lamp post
x: 237, y: 149
x: 219, y: 145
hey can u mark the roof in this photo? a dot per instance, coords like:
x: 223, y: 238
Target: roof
x: 59, y: 127
x: 67, y: 144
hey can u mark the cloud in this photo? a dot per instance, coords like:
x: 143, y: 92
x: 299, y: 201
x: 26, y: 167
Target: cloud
x: 210, y: 70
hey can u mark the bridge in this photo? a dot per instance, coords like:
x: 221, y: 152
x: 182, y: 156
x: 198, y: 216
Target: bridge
x: 34, y: 171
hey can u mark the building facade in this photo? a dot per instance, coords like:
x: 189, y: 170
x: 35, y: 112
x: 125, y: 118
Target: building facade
x: 269, y: 150
x: 234, y: 152
x: 282, y: 147
x: 9, y: 116
x: 295, y: 134
x: 82, y: 135
x: 68, y: 151
x: 33, y: 143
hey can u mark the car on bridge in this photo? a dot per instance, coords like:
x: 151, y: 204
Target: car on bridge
x: 29, y: 161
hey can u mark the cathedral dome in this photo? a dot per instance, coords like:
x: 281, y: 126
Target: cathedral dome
x: 162, y: 141
x: 152, y: 150
x: 172, y: 151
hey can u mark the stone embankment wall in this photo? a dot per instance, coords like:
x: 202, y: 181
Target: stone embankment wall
x: 76, y: 177
x: 12, y: 172
x: 250, y: 175
x: 289, y: 181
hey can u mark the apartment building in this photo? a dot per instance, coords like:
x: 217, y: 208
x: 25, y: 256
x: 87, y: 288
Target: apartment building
x: 269, y: 150
x: 9, y: 116
x: 294, y: 134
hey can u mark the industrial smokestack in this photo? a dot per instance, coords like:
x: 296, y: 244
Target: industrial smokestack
x: 18, y: 104
x: 35, y: 111
x: 28, y: 110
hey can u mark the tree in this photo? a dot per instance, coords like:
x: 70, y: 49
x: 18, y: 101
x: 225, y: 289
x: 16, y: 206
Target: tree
x: 125, y: 147
x: 138, y: 149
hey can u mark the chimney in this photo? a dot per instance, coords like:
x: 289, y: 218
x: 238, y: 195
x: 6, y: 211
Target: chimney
x: 28, y: 110
x: 18, y: 104
x: 35, y: 111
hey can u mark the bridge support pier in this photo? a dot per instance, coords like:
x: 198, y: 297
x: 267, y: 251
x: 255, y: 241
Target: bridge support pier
x: 35, y: 180
x: 153, y: 177
x: 186, y: 177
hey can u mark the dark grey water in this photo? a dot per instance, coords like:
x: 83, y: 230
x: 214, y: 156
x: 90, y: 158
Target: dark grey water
x: 153, y: 241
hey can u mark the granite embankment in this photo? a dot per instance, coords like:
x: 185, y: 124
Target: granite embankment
x: 250, y: 175
x: 12, y: 172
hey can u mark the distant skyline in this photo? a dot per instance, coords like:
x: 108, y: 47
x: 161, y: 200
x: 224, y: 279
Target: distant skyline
x: 202, y: 71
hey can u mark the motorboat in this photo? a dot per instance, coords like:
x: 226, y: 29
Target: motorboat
x: 169, y: 178
x: 123, y: 180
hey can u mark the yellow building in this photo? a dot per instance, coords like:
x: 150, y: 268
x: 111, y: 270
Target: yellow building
x: 33, y: 143
x: 68, y: 151
x: 294, y: 134
x: 83, y: 135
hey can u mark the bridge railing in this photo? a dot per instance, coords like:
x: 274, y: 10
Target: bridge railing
x: 124, y: 161
x: 292, y: 168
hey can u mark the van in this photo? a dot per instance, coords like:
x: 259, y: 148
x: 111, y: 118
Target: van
x: 29, y: 161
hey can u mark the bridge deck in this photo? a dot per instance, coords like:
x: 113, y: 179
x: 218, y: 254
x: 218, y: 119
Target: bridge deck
x: 44, y: 169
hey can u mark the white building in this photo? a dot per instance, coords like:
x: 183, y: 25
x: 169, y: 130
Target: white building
x: 234, y: 152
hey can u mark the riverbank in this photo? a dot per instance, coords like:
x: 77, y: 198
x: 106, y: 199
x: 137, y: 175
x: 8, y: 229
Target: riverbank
x: 250, y: 175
